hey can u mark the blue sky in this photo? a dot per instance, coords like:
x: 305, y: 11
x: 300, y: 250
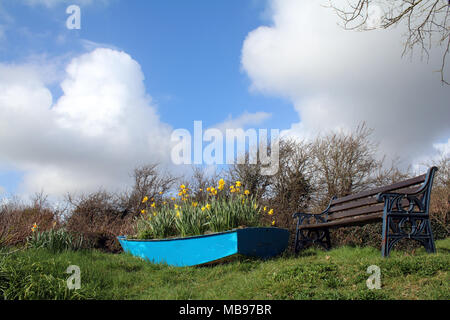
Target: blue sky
x: 242, y: 63
x: 189, y: 51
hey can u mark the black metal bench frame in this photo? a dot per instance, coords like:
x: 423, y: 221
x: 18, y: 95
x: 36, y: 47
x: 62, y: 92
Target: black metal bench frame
x: 404, y: 214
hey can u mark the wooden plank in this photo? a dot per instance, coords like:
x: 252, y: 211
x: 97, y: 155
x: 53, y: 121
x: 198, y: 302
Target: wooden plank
x: 395, y: 186
x: 353, y: 204
x: 357, y: 212
x: 365, y: 201
x: 352, y: 221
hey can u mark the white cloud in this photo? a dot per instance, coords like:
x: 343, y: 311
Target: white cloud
x: 53, y: 3
x: 244, y: 120
x: 337, y: 79
x: 443, y: 148
x: 103, y: 125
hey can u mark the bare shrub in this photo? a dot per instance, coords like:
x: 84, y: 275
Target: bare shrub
x: 440, y: 199
x: 290, y: 190
x: 149, y: 181
x: 99, y: 217
x: 17, y: 219
x: 250, y: 175
x: 344, y: 163
x: 198, y: 182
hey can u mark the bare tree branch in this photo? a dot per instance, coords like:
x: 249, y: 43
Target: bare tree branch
x: 426, y: 20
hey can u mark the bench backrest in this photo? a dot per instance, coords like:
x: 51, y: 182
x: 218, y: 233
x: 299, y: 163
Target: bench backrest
x: 366, y: 202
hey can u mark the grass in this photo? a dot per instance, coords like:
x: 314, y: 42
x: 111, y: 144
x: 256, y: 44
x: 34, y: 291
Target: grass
x: 315, y: 274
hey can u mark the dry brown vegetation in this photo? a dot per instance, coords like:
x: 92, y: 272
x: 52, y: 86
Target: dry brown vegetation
x: 310, y: 173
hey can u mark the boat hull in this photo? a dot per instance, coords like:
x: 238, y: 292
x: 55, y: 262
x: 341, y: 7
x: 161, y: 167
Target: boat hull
x: 190, y: 251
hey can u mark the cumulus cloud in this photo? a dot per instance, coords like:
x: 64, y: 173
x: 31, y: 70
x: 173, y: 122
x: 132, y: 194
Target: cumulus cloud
x: 102, y: 126
x: 338, y: 79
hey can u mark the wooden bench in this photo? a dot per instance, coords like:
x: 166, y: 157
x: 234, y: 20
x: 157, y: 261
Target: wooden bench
x: 402, y: 207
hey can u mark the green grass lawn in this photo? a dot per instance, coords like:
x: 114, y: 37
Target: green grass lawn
x: 315, y: 274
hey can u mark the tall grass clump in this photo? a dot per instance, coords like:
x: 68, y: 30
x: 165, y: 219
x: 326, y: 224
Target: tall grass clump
x: 223, y: 209
x: 55, y: 240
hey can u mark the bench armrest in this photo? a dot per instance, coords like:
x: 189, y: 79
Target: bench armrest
x: 320, y: 217
x: 420, y: 197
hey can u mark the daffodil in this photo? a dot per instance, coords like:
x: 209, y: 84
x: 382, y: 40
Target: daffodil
x: 246, y: 192
x: 153, y: 205
x: 178, y: 214
x: 208, y: 206
x: 270, y: 212
x: 176, y: 206
x: 182, y: 186
x: 265, y: 209
x: 194, y: 204
x: 238, y: 183
x: 143, y: 211
x: 203, y: 208
x: 273, y: 222
x: 145, y: 199
x: 35, y: 226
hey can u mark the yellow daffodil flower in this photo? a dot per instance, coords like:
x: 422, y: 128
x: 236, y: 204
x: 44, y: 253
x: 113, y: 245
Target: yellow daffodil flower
x: 145, y: 199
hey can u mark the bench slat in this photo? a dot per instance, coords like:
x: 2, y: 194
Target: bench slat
x: 365, y: 201
x: 352, y: 221
x: 395, y: 186
x: 356, y: 212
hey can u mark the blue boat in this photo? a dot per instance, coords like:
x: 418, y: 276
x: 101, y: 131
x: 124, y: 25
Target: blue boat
x: 191, y: 251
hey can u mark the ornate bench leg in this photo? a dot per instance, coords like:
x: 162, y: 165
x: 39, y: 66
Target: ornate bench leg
x: 385, y: 247
x: 394, y: 231
x: 305, y: 238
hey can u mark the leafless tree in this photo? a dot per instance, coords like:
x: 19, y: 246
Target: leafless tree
x: 291, y: 189
x: 344, y: 163
x: 427, y: 22
x: 149, y: 181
